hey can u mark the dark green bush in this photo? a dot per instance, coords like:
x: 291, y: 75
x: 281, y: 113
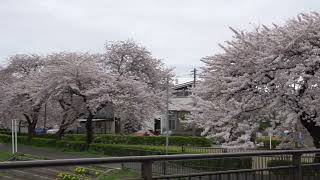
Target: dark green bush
x: 72, y: 145
x: 111, y: 150
x: 75, y: 137
x: 129, y: 150
x: 107, y: 149
x: 51, y: 136
x: 42, y: 142
x: 266, y: 142
x: 5, y: 132
x: 9, y: 133
x: 127, y: 139
x: 144, y: 140
x: 5, y: 138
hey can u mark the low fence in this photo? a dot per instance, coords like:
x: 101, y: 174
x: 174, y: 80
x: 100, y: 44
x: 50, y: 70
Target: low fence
x: 257, y: 161
x: 215, y: 150
x: 287, y: 165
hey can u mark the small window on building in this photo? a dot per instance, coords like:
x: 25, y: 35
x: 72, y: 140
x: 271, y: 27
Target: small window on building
x: 172, y: 120
x: 172, y: 124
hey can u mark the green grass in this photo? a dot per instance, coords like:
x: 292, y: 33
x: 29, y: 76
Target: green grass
x: 119, y: 175
x: 2, y: 174
x: 4, y: 156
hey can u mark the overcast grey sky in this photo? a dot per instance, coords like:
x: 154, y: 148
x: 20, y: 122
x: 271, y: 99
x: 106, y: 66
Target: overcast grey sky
x: 178, y: 31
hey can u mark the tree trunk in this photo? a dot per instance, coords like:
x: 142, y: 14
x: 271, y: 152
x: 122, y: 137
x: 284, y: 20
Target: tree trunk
x: 314, y: 132
x: 89, y: 128
x: 31, y: 131
x: 31, y: 127
x: 60, y: 133
x: 313, y: 129
x: 62, y: 127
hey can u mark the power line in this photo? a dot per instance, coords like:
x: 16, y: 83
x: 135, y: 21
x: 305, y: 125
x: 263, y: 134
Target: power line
x: 194, y: 71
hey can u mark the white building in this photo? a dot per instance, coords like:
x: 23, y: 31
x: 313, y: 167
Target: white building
x: 181, y: 103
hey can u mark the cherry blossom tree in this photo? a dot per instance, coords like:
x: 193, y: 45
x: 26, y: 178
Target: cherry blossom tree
x: 142, y: 79
x: 81, y: 77
x: 78, y: 85
x: 136, y: 105
x: 22, y: 82
x: 89, y: 78
x: 268, y: 70
x: 5, y: 80
x: 129, y: 59
x: 64, y: 110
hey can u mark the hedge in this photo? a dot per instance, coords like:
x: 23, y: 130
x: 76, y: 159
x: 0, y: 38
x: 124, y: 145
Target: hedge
x: 144, y: 140
x: 5, y: 138
x: 107, y: 149
x: 41, y: 142
x: 78, y: 146
x: 266, y: 142
x: 123, y: 150
x: 133, y: 140
x: 51, y: 136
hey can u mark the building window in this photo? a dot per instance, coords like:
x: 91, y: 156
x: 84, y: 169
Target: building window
x: 172, y: 120
x: 172, y: 124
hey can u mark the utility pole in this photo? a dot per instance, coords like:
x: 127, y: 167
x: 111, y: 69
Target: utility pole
x: 45, y: 116
x: 194, y: 71
x: 167, y: 115
x: 14, y: 136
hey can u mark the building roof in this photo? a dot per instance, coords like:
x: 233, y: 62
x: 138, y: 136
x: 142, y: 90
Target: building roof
x: 182, y: 85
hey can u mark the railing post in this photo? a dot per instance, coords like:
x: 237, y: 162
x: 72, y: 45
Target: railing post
x: 146, y: 170
x: 182, y: 149
x: 164, y: 168
x: 296, y: 160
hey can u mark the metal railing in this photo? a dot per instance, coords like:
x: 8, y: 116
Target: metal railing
x: 297, y: 170
x: 214, y: 150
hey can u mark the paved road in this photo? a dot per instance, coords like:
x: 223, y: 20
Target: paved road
x: 46, y: 152
x: 49, y: 173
